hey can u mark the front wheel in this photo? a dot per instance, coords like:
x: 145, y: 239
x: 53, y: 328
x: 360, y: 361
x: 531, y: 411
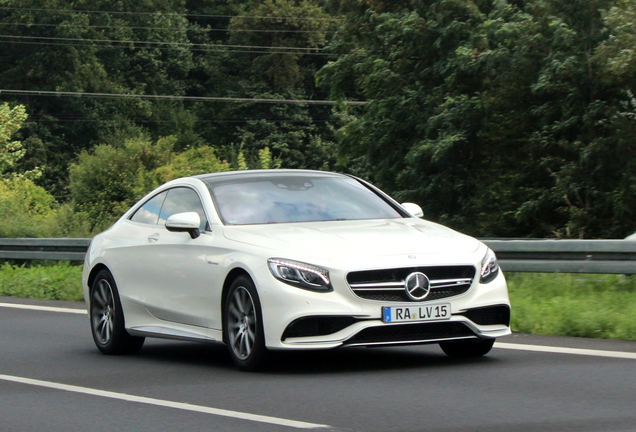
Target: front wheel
x: 243, y: 325
x: 467, y: 348
x: 107, y: 318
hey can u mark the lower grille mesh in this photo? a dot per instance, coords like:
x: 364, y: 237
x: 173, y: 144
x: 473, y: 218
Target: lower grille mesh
x: 317, y: 326
x: 410, y: 333
x: 489, y: 315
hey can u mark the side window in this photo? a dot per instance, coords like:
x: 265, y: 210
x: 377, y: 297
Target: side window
x: 182, y: 200
x: 149, y: 212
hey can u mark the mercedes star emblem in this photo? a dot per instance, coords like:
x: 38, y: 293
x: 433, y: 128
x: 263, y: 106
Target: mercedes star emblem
x: 417, y: 286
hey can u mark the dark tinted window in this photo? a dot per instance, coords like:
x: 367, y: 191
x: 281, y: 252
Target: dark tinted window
x: 149, y: 212
x: 181, y: 200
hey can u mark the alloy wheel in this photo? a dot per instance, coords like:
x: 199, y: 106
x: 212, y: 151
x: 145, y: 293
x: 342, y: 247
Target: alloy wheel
x: 241, y: 322
x: 102, y: 311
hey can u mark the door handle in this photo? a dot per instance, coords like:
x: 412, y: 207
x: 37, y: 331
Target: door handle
x: 153, y: 237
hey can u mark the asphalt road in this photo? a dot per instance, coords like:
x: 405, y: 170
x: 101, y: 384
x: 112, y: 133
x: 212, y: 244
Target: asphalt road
x: 52, y: 378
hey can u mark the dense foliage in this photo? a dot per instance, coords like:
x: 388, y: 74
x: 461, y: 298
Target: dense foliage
x: 501, y: 118
x: 510, y: 118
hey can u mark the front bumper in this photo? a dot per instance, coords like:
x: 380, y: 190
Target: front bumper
x: 323, y: 332
x: 298, y: 319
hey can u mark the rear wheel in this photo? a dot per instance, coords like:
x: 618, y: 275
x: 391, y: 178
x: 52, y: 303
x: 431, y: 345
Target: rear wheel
x: 467, y: 348
x: 107, y: 318
x: 243, y: 325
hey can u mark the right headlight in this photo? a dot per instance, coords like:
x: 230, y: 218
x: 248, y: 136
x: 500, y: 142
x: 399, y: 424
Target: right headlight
x: 489, y: 267
x: 300, y: 274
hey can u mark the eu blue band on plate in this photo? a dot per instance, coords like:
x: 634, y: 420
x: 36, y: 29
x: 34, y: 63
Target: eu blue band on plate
x: 387, y: 314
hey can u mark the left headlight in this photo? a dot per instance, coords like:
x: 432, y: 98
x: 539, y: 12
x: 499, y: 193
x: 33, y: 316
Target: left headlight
x: 300, y: 274
x: 489, y: 267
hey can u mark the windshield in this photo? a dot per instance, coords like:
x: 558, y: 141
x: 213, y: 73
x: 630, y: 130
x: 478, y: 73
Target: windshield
x: 297, y: 199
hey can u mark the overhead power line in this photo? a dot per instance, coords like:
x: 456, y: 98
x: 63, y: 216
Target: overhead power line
x: 214, y: 49
x: 169, y: 13
x: 200, y: 119
x: 218, y: 49
x: 186, y: 44
x: 175, y: 97
x: 189, y: 29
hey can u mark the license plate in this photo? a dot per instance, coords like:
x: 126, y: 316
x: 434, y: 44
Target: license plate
x: 434, y: 312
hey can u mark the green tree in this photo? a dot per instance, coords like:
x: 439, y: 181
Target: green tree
x: 11, y: 151
x: 106, y: 181
x: 284, y: 30
x: 253, y: 65
x: 414, y: 65
x: 584, y: 140
x: 25, y: 208
x: 125, y: 47
x: 166, y: 47
x: 496, y: 116
x: 199, y: 160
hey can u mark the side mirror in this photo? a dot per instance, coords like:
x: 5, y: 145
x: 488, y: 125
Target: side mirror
x: 185, y: 222
x: 413, y: 209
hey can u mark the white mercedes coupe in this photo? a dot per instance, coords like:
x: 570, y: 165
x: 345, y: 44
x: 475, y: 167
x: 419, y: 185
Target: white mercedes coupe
x: 289, y: 259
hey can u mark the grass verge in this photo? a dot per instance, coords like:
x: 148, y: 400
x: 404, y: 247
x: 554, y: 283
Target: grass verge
x: 593, y: 306
x: 60, y: 281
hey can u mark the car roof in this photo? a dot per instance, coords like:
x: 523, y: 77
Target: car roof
x: 268, y: 173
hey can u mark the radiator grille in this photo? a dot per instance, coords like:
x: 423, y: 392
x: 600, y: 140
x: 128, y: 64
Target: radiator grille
x: 387, y: 285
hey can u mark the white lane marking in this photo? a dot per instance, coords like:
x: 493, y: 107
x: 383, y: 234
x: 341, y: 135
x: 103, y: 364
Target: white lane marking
x: 43, y: 308
x: 165, y: 403
x: 561, y: 350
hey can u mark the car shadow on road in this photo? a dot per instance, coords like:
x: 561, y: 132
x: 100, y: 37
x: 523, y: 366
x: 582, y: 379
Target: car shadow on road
x: 186, y: 353
x: 347, y: 360
x: 342, y: 360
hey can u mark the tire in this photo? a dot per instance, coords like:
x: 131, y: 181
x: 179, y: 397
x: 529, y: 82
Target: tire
x: 467, y: 348
x: 243, y: 326
x: 107, y: 318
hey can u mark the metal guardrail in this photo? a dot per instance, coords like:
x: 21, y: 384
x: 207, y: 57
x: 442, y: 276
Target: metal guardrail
x: 538, y: 256
x: 566, y: 256
x: 61, y: 249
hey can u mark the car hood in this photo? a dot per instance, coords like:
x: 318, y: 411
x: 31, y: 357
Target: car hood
x: 355, y: 238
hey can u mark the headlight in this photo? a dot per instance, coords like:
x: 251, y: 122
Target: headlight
x: 300, y: 275
x: 489, y: 267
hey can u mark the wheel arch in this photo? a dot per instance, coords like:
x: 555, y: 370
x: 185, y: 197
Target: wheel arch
x: 233, y: 274
x: 93, y: 274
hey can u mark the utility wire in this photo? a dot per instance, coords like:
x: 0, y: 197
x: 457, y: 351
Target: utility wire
x: 187, y: 44
x: 234, y: 120
x: 168, y: 13
x: 182, y: 98
x: 213, y: 49
x: 188, y: 29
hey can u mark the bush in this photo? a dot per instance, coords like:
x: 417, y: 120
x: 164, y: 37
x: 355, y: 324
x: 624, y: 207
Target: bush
x: 107, y: 180
x: 193, y: 161
x: 26, y: 210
